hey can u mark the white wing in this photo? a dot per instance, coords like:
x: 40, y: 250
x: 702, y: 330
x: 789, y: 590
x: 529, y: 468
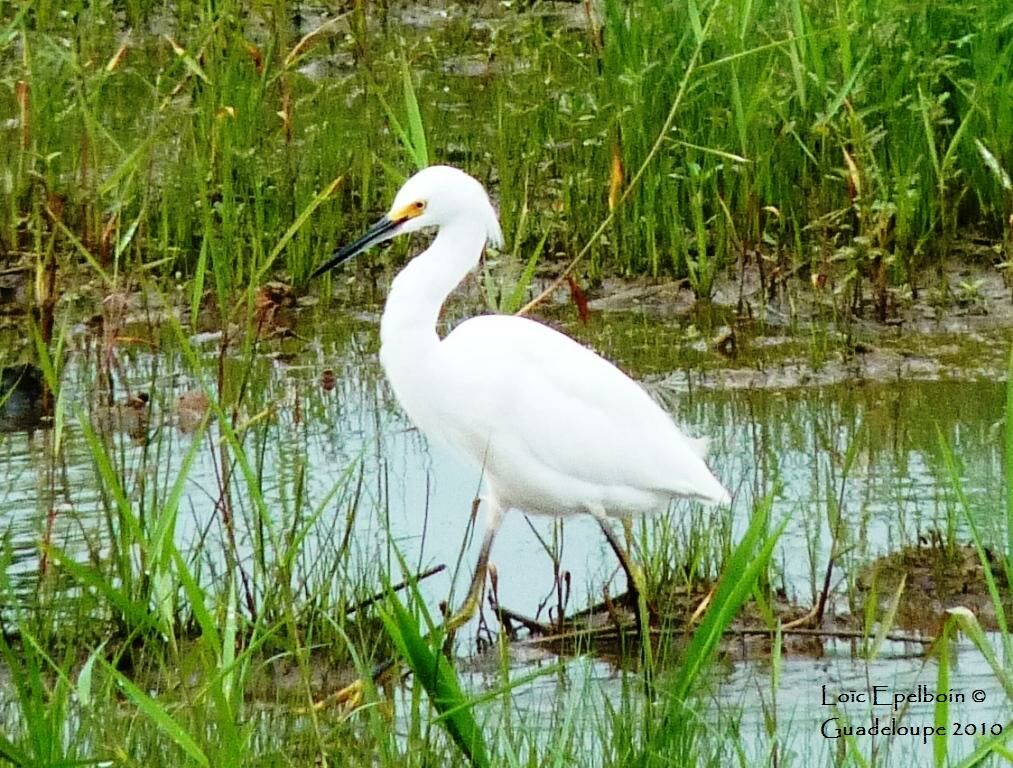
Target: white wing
x: 553, y: 412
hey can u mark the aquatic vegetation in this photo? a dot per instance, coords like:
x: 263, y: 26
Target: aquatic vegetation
x: 187, y: 590
x: 850, y: 146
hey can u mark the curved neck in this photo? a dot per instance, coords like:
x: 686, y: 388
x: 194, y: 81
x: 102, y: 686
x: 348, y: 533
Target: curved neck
x: 419, y: 290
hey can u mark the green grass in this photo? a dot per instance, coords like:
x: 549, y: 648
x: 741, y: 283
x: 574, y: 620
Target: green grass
x: 148, y: 648
x: 860, y: 141
x: 216, y: 146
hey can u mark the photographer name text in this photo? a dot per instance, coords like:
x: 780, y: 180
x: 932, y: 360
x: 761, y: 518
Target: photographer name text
x: 897, y: 698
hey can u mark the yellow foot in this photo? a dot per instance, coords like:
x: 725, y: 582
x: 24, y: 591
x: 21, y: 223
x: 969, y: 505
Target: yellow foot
x: 700, y: 609
x: 803, y: 620
x: 348, y: 698
x: 351, y: 697
x: 468, y: 608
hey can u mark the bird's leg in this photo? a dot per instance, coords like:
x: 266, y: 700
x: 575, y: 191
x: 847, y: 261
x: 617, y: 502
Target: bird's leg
x: 634, y: 577
x: 351, y: 695
x: 634, y: 571
x: 471, y: 601
x: 635, y: 585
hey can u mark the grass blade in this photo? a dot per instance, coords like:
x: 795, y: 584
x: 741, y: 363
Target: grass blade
x: 301, y: 219
x: 744, y: 567
x: 416, y: 128
x: 160, y: 716
x: 438, y: 678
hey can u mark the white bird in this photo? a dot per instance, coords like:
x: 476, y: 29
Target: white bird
x: 556, y: 429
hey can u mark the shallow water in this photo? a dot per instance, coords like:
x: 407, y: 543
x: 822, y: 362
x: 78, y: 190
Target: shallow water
x: 871, y: 449
x: 794, y: 442
x: 804, y: 703
x: 821, y: 431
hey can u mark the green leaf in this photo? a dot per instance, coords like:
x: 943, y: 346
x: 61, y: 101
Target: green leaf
x: 412, y: 138
x: 416, y: 128
x: 160, y: 716
x: 439, y: 680
x: 521, y: 286
x: 746, y: 563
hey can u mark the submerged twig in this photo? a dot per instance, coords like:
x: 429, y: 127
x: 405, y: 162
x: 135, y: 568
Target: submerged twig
x: 609, y: 632
x: 395, y: 588
x: 532, y: 625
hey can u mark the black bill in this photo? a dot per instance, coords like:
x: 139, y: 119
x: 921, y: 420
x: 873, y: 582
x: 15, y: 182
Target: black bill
x: 384, y: 229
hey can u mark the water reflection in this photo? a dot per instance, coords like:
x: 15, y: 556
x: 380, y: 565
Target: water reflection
x: 873, y: 450
x: 342, y: 459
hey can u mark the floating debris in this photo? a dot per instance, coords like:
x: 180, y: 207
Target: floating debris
x: 191, y: 407
x: 943, y: 575
x: 131, y: 417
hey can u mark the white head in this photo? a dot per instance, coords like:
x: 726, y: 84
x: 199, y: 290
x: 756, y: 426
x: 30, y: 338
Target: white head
x: 433, y: 197
x: 439, y: 194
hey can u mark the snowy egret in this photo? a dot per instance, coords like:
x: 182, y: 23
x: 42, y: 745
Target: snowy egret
x: 556, y: 429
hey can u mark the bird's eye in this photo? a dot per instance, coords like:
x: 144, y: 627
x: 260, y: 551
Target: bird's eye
x: 419, y: 205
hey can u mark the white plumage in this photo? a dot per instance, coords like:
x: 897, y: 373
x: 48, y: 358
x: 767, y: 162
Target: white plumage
x: 557, y: 429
